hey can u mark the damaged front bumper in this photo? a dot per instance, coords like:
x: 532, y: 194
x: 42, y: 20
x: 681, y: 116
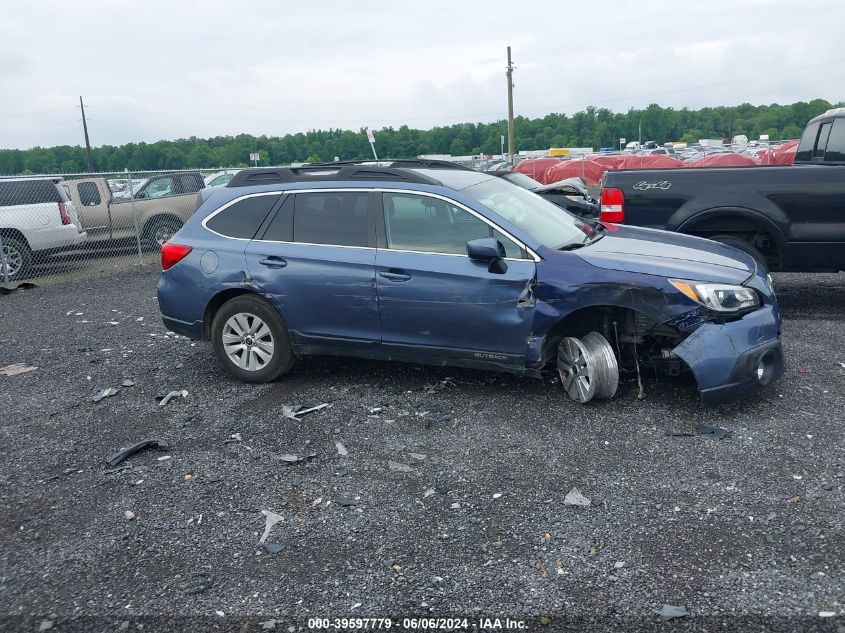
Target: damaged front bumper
x: 737, y: 358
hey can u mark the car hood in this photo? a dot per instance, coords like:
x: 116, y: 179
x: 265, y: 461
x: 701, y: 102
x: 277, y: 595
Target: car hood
x: 654, y: 252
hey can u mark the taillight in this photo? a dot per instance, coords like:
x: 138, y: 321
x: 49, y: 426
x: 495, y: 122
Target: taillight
x: 63, y: 212
x: 172, y: 254
x: 612, y: 205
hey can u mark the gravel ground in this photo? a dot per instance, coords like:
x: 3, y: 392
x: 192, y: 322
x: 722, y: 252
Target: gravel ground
x: 744, y: 533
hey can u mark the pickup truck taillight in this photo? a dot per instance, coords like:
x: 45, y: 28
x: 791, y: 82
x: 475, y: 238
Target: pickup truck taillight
x: 172, y: 254
x: 63, y: 212
x: 612, y: 205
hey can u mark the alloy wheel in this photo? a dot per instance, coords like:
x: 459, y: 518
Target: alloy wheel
x: 248, y: 341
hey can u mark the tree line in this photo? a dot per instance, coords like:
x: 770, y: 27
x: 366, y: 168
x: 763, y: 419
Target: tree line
x: 592, y: 127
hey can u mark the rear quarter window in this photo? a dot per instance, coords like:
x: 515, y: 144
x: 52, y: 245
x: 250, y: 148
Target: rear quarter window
x: 242, y: 218
x: 807, y: 143
x: 25, y: 192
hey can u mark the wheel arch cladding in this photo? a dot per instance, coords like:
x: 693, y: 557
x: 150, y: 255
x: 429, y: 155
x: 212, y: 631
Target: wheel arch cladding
x: 217, y: 301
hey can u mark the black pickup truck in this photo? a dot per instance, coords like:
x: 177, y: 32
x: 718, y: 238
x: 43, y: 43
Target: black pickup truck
x: 792, y: 217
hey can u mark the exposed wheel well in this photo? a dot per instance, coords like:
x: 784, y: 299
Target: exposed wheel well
x: 743, y: 228
x: 218, y: 300
x: 625, y: 329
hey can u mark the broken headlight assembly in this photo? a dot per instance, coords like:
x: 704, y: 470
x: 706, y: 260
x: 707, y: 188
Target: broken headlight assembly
x: 722, y: 298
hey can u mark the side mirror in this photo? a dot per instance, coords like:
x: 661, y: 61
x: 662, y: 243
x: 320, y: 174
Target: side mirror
x: 488, y: 250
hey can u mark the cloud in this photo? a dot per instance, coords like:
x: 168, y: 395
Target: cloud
x: 176, y: 69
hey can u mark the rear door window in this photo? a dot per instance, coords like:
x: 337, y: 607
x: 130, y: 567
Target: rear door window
x: 89, y: 194
x: 835, y: 151
x: 338, y: 218
x: 242, y: 218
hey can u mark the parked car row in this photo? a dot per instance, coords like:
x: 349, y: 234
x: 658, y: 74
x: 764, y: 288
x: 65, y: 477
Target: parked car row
x: 40, y: 216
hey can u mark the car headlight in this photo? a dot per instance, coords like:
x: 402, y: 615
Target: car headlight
x: 725, y: 298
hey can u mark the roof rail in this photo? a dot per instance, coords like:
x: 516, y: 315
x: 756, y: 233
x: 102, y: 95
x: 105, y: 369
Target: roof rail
x: 357, y: 170
x: 407, y: 163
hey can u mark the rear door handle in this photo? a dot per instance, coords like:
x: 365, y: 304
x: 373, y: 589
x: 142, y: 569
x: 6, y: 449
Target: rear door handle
x: 395, y: 274
x: 273, y: 262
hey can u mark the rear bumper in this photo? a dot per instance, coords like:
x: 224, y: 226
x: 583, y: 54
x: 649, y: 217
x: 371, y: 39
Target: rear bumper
x: 195, y: 329
x: 725, y: 357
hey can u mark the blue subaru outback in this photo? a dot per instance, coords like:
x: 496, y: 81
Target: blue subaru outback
x: 428, y: 262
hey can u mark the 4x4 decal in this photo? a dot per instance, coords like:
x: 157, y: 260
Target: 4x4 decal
x: 643, y: 185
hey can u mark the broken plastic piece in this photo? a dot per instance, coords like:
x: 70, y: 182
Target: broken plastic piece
x: 104, y: 393
x: 575, y: 498
x: 272, y: 519
x: 670, y: 612
x: 295, y: 412
x: 127, y: 383
x: 154, y: 442
x: 295, y: 459
x: 402, y: 468
x: 341, y: 449
x: 716, y: 432
x: 272, y: 548
x: 173, y: 394
x: 15, y: 369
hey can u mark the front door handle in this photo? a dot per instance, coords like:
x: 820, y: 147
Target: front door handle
x: 273, y: 262
x: 395, y: 274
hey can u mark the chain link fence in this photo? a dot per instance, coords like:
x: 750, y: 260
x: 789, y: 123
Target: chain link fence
x: 61, y: 227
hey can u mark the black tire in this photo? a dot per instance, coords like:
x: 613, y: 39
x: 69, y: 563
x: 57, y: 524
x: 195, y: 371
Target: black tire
x: 281, y: 359
x: 742, y: 245
x: 18, y: 258
x: 159, y: 230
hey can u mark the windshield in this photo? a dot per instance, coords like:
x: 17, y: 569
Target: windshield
x: 526, y: 182
x: 545, y: 222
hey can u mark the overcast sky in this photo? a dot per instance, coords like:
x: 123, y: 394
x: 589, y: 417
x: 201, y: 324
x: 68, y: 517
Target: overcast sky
x: 163, y: 70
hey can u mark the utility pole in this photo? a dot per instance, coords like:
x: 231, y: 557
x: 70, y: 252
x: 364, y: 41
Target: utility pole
x: 87, y: 142
x: 511, y: 133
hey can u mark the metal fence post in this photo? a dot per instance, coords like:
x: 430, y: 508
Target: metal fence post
x: 3, y: 263
x: 135, y: 219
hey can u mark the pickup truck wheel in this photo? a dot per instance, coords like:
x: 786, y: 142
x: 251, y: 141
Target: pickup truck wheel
x: 250, y: 340
x: 162, y: 230
x: 588, y: 368
x: 18, y: 257
x: 741, y: 245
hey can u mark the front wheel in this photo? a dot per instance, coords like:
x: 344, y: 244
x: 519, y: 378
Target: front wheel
x: 588, y: 368
x: 251, y: 340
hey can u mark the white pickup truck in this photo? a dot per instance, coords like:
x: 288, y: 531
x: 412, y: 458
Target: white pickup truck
x: 162, y: 205
x: 37, y: 218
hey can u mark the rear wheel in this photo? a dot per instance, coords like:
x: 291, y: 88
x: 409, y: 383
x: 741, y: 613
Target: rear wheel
x: 587, y: 367
x: 251, y: 340
x: 17, y: 257
x: 742, y: 245
x: 161, y: 230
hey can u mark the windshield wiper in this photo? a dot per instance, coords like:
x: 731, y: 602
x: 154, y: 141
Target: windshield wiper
x: 571, y: 246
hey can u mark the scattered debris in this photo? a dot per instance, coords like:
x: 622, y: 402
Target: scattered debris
x: 295, y: 459
x: 45, y: 625
x: 716, y: 432
x: 670, y: 612
x: 272, y: 548
x: 163, y: 400
x: 841, y: 364
x: 575, y: 498
x: 295, y: 412
x: 188, y: 477
x: 827, y: 614
x: 416, y: 458
x: 341, y: 449
x: 267, y: 625
x: 428, y: 493
x: 128, y: 383
x: 15, y: 369
x: 401, y: 468
x: 376, y: 410
x: 272, y: 519
x: 129, y: 515
x: 456, y: 506
x: 619, y: 564
x: 200, y: 582
x: 99, y: 394
x: 116, y: 470
x: 153, y: 442
x: 497, y: 495
x: 541, y: 567
x: 235, y: 437
x: 345, y: 501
